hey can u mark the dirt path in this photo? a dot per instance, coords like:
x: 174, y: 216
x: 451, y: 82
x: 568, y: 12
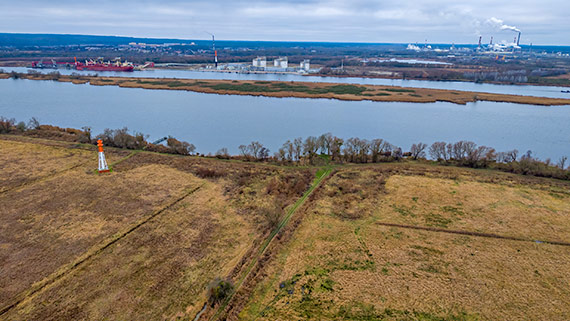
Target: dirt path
x: 220, y: 309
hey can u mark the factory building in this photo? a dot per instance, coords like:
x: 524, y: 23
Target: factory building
x: 305, y: 65
x: 281, y: 62
x: 260, y: 62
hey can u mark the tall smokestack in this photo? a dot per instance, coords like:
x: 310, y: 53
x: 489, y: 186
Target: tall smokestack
x: 215, y: 52
x: 519, y: 38
x: 491, y: 43
x: 480, y: 37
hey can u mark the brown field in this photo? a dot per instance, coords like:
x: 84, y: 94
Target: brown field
x: 563, y: 76
x: 144, y: 241
x: 43, y: 161
x: 306, y: 90
x: 141, y: 242
x: 342, y: 264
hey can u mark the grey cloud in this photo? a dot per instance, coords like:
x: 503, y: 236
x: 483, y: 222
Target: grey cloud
x: 306, y: 20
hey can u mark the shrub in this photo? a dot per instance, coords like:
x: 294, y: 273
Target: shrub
x: 271, y: 214
x: 223, y: 153
x: 219, y: 290
x: 122, y: 139
x: 21, y: 126
x: 209, y: 173
x: 180, y: 147
x: 158, y: 148
x: 6, y: 125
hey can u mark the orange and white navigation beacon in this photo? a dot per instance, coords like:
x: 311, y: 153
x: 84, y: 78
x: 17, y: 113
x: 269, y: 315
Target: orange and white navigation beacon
x: 103, y: 168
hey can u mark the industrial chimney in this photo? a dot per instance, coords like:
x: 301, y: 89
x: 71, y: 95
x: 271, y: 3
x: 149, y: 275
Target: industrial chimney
x: 519, y: 38
x: 480, y: 37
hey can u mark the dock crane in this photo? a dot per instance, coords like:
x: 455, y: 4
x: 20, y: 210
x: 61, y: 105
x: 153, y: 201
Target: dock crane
x: 156, y: 142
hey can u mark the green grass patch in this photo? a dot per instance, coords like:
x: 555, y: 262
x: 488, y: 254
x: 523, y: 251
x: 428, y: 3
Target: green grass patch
x: 434, y: 219
x: 404, y: 210
x: 174, y: 84
x: 399, y: 90
x: 452, y: 210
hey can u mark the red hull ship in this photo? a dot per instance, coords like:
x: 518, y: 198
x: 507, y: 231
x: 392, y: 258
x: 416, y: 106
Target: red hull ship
x: 103, y: 67
x: 100, y: 65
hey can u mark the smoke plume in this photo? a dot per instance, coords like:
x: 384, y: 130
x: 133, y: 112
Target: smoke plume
x: 499, y: 24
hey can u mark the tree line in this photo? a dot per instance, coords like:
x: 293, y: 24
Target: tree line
x: 463, y: 153
x: 120, y: 138
x: 316, y: 149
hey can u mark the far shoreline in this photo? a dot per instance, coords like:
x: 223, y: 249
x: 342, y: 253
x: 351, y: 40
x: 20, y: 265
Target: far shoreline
x: 19, y: 64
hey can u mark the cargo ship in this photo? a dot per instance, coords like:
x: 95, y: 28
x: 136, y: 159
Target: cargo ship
x: 51, y: 65
x: 100, y: 65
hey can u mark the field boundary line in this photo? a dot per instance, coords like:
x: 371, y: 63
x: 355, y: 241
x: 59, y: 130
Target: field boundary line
x: 69, y: 268
x: 468, y: 233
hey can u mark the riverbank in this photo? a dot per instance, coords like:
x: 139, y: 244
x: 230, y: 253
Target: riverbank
x: 281, y: 89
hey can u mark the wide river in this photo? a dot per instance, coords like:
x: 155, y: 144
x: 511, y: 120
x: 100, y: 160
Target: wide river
x: 538, y: 91
x: 213, y: 121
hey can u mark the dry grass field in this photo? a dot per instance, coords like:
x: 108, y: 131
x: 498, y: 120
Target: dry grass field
x: 141, y: 242
x: 342, y: 263
x: 396, y: 241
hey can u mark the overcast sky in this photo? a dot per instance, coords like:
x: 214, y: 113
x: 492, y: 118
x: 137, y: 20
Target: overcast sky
x: 405, y: 21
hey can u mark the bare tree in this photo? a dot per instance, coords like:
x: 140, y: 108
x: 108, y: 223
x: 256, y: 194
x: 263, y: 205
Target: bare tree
x: 33, y: 123
x: 513, y: 155
x: 254, y: 149
x: 263, y: 153
x: 418, y: 150
x: 438, y: 151
x: 244, y: 151
x: 288, y: 150
x: 362, y: 148
x: 325, y: 142
x: 86, y: 136
x: 336, y: 146
x: 397, y: 153
x: 562, y: 162
x: 527, y: 155
x: 281, y: 154
x: 349, y: 150
x: 298, y: 148
x: 376, y: 146
x: 223, y: 152
x: 310, y: 147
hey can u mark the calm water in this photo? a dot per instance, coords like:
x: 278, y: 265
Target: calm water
x: 539, y: 91
x: 214, y: 121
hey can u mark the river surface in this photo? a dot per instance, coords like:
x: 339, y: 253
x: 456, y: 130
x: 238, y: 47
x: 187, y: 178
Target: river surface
x: 212, y: 121
x: 538, y: 91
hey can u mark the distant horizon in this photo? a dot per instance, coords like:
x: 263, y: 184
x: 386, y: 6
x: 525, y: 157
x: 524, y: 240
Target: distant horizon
x: 275, y: 41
